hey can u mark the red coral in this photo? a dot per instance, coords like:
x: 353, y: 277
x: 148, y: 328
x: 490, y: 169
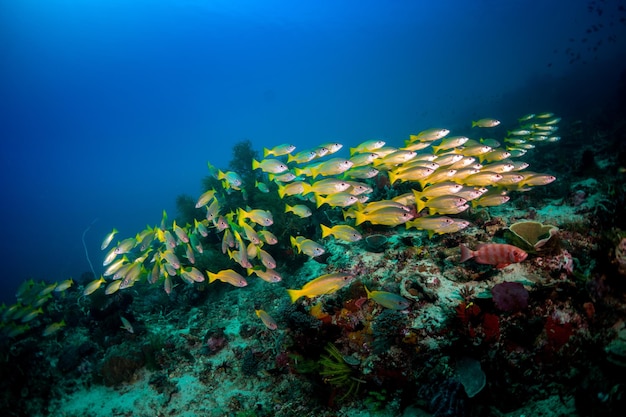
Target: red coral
x: 558, y: 333
x: 491, y: 327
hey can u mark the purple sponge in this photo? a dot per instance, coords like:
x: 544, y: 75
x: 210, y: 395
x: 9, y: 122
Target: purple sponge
x: 510, y: 296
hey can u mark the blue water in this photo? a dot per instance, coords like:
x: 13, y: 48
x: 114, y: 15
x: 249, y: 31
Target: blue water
x: 110, y: 109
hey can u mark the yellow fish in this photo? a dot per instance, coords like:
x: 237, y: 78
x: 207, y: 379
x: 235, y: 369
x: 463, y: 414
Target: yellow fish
x: 299, y: 210
x: 307, y: 246
x: 93, y: 286
x: 450, y: 143
x: 260, y: 217
x: 269, y: 275
x: 279, y: 150
x: 486, y: 123
x: 53, y: 328
x: 388, y: 216
x: 205, y: 198
x: 388, y: 299
x: 342, y: 232
x: 333, y: 166
x: 324, y: 284
x: 267, y: 320
x: 361, y: 172
x: 342, y: 199
x: 107, y: 239
x: 229, y: 276
x: 367, y: 146
x: 429, y: 135
x: 294, y: 188
x: 273, y: 166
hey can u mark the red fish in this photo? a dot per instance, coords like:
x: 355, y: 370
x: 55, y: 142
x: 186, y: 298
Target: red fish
x: 500, y: 255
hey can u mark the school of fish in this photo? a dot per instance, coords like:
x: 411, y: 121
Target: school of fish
x: 446, y: 175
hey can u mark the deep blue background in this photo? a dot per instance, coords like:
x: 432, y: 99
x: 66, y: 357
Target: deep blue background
x: 110, y: 109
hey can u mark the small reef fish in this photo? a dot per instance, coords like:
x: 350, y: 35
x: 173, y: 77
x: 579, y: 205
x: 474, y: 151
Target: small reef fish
x: 429, y: 135
x: 228, y: 276
x: 389, y: 216
x: 342, y: 199
x: 342, y: 232
x: 363, y: 159
x: 205, y: 198
x: 126, y: 325
x: 490, y: 200
x: 64, y: 285
x: 361, y: 173
x: 231, y: 179
x: 388, y: 299
x: 486, y: 123
x: 107, y: 239
x: 302, y: 157
x: 180, y: 233
x: 268, y: 275
x: 324, y: 284
x: 412, y: 174
x: 293, y: 188
x: 367, y: 146
x: 327, y: 186
x: 192, y: 274
x: 442, y: 202
x: 94, y: 285
x: 307, y: 246
x: 267, y: 320
x: 498, y: 254
x: 299, y: 210
x: 279, y: 150
x: 450, y: 143
x: 31, y: 314
x: 266, y: 259
x: 260, y: 217
x: 53, y: 328
x: 262, y: 187
x: 113, y: 287
x: 428, y: 223
x: 268, y: 237
x: 273, y: 166
x: 333, y: 166
x: 332, y: 147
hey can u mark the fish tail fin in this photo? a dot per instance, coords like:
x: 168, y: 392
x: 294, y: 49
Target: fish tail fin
x: 288, y: 208
x: 392, y: 177
x: 466, y: 253
x: 326, y: 231
x: 352, y: 151
x: 367, y: 292
x: 474, y: 124
x: 431, y: 233
x: 212, y: 276
x: 290, y: 158
x: 294, y: 295
x: 255, y: 164
x: 294, y: 243
x: 360, y: 218
x: 281, y: 190
x: 266, y: 152
x: 319, y: 200
x: 420, y: 204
